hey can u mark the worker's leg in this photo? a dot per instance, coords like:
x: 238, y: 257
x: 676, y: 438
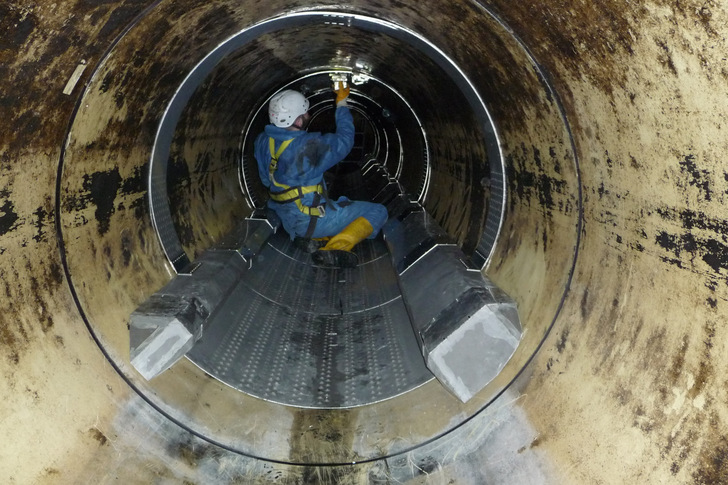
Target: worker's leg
x: 346, y: 212
x: 365, y: 221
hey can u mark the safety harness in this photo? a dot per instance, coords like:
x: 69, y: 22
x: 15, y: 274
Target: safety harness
x: 293, y: 193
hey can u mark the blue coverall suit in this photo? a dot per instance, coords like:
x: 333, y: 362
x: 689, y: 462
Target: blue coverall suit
x: 303, y: 163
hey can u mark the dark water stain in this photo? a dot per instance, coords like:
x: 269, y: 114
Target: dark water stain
x: 646, y: 426
x: 636, y: 330
x: 712, y: 462
x: 602, y: 339
x: 216, y: 19
x: 17, y: 25
x: 119, y: 99
x: 690, y: 219
x: 39, y: 297
x: 426, y: 465
x: 41, y: 112
x: 623, y: 395
x: 136, y: 183
x: 678, y: 361
x: 108, y: 80
x: 43, y: 217
x: 527, y: 185
x: 711, y: 251
x: 705, y: 15
x: 655, y: 349
x: 665, y: 58
x: 705, y: 368
x: 121, y: 15
x: 102, y: 188
x: 109, y: 255
x: 25, y: 127
x: 98, y: 436
x: 127, y: 245
x: 8, y: 217
x: 55, y: 274
x: 140, y: 206
x: 566, y: 34
x: 193, y: 452
x: 685, y: 443
x: 702, y: 15
x: 179, y: 191
x: 669, y: 242
x: 561, y: 344
x: 9, y: 342
x: 698, y: 178
x: 585, y: 310
x: 672, y: 261
x: 601, y: 191
x: 716, y: 254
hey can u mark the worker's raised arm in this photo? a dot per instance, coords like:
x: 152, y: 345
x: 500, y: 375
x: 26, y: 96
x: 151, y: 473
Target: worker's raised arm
x: 341, y: 142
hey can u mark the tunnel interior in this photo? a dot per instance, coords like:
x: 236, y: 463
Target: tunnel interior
x: 394, y: 138
x: 617, y: 378
x: 179, y: 116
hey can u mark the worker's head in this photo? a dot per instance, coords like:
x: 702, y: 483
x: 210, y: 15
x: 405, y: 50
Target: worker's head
x: 289, y: 109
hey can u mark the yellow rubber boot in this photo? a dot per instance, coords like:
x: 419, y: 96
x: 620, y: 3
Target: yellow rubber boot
x: 310, y: 245
x: 337, y: 252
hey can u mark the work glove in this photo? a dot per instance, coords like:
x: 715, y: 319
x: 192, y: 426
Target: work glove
x: 341, y: 88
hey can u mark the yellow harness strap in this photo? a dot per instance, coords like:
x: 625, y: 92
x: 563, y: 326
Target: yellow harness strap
x: 289, y: 193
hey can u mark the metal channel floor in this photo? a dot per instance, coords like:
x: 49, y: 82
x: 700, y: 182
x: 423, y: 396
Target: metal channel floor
x: 306, y: 336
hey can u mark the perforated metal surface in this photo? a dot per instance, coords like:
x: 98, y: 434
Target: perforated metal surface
x: 302, y: 335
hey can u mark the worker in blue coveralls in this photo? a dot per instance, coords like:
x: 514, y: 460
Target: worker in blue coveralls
x: 292, y: 162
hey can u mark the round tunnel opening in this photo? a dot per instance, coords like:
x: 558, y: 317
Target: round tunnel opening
x: 113, y: 139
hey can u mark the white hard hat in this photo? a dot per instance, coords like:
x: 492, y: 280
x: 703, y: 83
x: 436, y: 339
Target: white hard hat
x: 285, y: 107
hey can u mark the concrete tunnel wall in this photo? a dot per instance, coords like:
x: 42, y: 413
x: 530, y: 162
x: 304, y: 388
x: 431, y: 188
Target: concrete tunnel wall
x: 626, y: 386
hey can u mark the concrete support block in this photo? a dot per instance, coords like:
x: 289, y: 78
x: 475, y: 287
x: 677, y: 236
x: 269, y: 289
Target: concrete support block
x: 162, y: 330
x: 170, y: 322
x: 474, y: 353
x: 467, y: 327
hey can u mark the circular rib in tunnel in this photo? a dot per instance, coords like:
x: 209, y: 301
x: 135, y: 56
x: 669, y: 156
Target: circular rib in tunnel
x: 407, y: 159
x: 117, y: 263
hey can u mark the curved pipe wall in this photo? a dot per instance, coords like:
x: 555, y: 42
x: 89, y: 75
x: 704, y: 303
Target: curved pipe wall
x: 206, y: 200
x: 624, y: 387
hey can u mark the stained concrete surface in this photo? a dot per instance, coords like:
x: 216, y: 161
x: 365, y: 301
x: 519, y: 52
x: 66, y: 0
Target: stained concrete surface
x: 628, y: 384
